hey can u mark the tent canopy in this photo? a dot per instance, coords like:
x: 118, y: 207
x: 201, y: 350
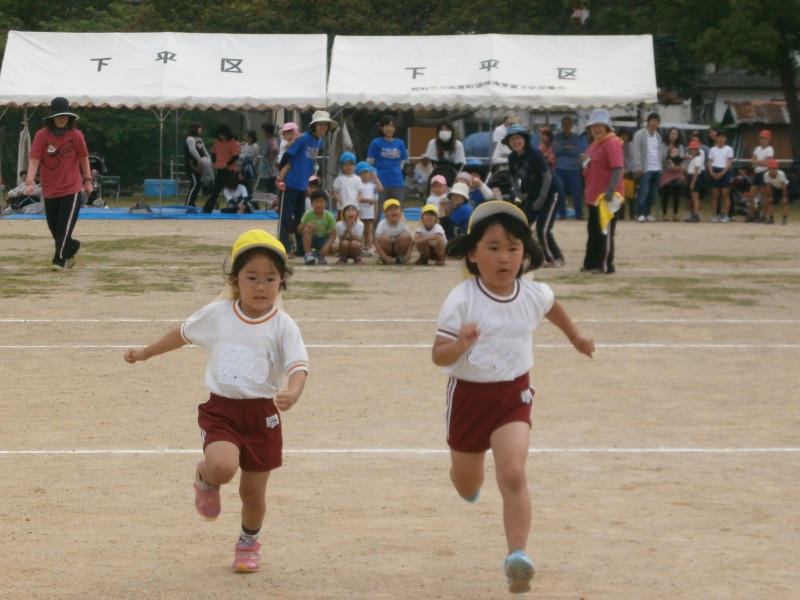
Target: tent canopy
x: 165, y: 70
x: 492, y: 71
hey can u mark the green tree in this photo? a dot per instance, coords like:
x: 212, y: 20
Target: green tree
x: 762, y: 36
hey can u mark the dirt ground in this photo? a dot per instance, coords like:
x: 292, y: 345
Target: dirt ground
x: 666, y: 467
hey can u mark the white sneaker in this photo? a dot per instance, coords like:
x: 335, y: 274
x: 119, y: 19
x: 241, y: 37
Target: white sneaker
x: 651, y: 219
x: 725, y: 219
x: 642, y: 219
x: 715, y: 218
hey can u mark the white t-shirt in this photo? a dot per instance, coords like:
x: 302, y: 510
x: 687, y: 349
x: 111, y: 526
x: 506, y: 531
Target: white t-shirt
x: 434, y: 231
x: 653, y: 152
x: 457, y: 156
x: 348, y: 187
x: 504, y: 350
x: 357, y: 230
x: 718, y: 157
x: 392, y: 230
x: 248, y: 358
x: 779, y: 181
x: 366, y: 209
x: 761, y: 153
x: 438, y: 202
x: 696, y: 165
x: 234, y: 196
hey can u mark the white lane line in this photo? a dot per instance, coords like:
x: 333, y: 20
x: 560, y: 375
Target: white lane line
x: 406, y: 451
x: 420, y: 320
x: 620, y: 346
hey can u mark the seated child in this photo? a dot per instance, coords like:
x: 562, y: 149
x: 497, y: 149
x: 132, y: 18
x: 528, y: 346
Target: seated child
x: 393, y: 239
x: 318, y: 227
x: 237, y: 196
x: 347, y: 187
x: 429, y: 238
x: 314, y: 183
x: 478, y: 190
x: 350, y: 231
x: 17, y: 199
x: 438, y: 195
x: 458, y: 211
x: 368, y: 203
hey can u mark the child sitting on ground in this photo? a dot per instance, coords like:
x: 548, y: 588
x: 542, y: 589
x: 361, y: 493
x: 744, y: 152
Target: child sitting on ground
x: 368, y: 203
x: 438, y: 196
x: 350, y: 231
x: 347, y: 187
x: 237, y: 196
x: 457, y: 212
x: 318, y: 227
x: 313, y: 184
x: 393, y: 239
x: 429, y: 238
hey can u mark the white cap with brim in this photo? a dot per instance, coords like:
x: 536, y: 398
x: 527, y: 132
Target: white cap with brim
x: 495, y: 207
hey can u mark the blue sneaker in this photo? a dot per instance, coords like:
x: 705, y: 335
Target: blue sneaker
x: 519, y: 572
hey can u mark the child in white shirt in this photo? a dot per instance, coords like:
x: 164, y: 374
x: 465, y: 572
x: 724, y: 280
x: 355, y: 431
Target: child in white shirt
x: 438, y: 196
x: 350, y: 231
x: 430, y: 238
x: 369, y: 202
x: 347, y: 187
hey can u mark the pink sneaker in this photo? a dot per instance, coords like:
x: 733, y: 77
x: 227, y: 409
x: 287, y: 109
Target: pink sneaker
x: 207, y: 502
x: 247, y: 558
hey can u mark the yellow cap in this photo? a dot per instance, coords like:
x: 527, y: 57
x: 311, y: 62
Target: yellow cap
x: 257, y: 238
x: 430, y: 208
x: 391, y: 202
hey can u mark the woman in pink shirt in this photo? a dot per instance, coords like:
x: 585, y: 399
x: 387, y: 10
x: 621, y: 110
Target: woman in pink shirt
x: 604, y: 163
x: 59, y: 153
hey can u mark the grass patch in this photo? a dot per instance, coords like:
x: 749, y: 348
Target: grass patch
x: 15, y: 284
x: 312, y: 290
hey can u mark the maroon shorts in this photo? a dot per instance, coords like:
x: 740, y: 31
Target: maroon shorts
x: 476, y: 410
x: 252, y: 425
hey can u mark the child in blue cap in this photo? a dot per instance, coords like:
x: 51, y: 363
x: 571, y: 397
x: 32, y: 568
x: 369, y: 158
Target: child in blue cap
x: 367, y: 207
x: 347, y: 187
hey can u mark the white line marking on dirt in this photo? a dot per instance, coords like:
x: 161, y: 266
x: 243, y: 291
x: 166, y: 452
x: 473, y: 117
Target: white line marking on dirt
x: 407, y: 451
x: 641, y: 346
x: 315, y: 320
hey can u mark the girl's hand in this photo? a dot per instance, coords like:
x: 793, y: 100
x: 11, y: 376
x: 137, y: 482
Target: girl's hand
x: 468, y: 334
x: 583, y: 345
x: 135, y: 355
x: 285, y: 400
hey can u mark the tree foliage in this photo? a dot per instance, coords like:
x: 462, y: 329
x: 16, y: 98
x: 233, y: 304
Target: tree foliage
x: 761, y: 35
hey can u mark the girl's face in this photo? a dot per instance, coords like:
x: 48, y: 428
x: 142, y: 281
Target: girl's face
x: 673, y: 136
x: 321, y: 128
x: 437, y: 189
x: 393, y: 215
x: 429, y: 219
x: 288, y: 135
x: 389, y: 130
x: 498, y: 257
x: 258, y: 284
x: 350, y: 214
x: 364, y: 175
x: 349, y: 167
x: 60, y: 121
x: 516, y: 143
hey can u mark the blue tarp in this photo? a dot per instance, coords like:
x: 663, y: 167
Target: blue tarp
x: 176, y: 212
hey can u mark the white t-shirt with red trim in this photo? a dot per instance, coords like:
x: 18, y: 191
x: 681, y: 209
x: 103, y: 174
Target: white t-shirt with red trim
x: 248, y: 358
x: 504, y: 349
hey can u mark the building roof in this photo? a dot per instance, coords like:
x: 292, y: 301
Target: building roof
x: 738, y: 79
x: 767, y: 112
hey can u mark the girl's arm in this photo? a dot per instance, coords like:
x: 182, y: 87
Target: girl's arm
x: 446, y: 350
x: 559, y: 317
x: 286, y: 399
x: 171, y: 341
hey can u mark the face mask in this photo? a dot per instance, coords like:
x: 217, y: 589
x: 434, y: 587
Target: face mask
x: 445, y: 135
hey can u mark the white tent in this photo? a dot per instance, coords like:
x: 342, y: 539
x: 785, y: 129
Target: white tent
x: 492, y: 71
x: 165, y: 70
